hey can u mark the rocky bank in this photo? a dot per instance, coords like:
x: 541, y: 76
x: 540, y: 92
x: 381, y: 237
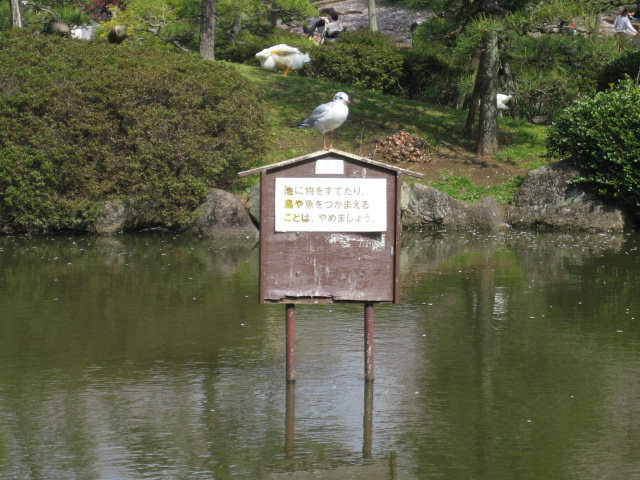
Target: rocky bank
x: 548, y: 200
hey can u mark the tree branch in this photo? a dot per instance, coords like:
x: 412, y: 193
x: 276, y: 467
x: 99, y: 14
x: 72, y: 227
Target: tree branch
x: 40, y: 8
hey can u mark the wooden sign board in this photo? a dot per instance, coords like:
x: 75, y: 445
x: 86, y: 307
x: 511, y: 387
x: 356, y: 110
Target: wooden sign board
x: 329, y: 229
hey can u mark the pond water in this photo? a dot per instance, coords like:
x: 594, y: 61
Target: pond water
x: 512, y: 356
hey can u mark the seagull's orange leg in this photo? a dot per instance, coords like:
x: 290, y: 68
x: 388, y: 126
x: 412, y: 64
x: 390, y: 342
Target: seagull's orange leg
x: 324, y: 142
x: 286, y: 71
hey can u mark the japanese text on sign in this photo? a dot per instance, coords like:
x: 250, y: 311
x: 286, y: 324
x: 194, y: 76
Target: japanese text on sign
x: 331, y: 204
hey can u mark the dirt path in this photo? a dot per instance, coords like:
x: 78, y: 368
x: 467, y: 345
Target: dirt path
x: 392, y: 19
x: 396, y: 20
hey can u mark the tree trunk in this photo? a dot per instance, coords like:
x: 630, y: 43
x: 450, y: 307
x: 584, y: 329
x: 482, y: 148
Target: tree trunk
x: 511, y: 85
x: 16, y: 14
x: 473, y: 65
x: 596, y: 29
x: 207, y: 29
x: 373, y: 20
x: 487, y: 141
x: 474, y: 103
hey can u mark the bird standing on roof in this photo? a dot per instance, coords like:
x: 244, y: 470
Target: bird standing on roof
x: 282, y: 57
x: 327, y: 117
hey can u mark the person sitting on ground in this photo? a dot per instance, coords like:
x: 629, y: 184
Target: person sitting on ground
x: 622, y: 24
x: 335, y: 27
x: 317, y: 29
x: 316, y: 24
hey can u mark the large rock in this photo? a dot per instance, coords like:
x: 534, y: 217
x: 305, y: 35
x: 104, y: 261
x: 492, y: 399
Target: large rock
x: 6, y: 228
x: 549, y: 198
x: 114, y: 217
x: 223, y: 215
x: 426, y: 207
x: 130, y: 214
x: 253, y: 203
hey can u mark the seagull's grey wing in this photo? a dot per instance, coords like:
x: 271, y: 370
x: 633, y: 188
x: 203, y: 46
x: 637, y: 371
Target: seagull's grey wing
x: 318, y: 112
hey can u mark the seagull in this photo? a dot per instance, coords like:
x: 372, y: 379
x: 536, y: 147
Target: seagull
x: 327, y: 117
x: 282, y: 56
x: 502, y: 101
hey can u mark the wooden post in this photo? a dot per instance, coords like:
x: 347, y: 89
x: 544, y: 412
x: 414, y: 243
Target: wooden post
x: 367, y: 442
x: 289, y: 421
x: 291, y: 342
x: 368, y: 342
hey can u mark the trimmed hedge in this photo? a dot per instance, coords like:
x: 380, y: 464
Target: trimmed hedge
x: 600, y: 137
x: 362, y: 59
x: 628, y: 65
x: 82, y: 122
x: 429, y: 78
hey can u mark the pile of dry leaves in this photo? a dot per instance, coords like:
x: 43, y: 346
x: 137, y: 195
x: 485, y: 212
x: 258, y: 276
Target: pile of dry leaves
x: 403, y: 147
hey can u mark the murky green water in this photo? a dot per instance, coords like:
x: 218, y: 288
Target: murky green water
x: 512, y: 356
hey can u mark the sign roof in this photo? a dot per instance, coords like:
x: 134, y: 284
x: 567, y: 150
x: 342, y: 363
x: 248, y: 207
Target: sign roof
x: 323, y: 153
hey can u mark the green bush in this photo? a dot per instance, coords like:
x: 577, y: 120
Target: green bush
x: 5, y: 16
x: 73, y: 15
x: 628, y: 65
x: 429, y: 77
x: 364, y: 37
x: 82, y: 122
x: 600, y: 137
x: 436, y: 32
x: 363, y: 59
x: 435, y: 71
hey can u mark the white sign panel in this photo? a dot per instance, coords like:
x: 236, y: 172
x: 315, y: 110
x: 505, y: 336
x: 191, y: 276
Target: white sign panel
x: 331, y: 167
x: 331, y: 204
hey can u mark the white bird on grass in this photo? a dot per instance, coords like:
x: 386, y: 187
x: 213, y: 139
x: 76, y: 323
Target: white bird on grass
x: 502, y: 101
x: 327, y: 117
x: 283, y: 57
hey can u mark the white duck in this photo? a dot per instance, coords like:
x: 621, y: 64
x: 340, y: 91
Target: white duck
x: 283, y: 57
x: 502, y: 101
x: 328, y: 116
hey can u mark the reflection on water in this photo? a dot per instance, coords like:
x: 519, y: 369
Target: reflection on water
x: 512, y: 355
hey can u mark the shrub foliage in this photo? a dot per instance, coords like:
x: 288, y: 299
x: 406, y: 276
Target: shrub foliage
x: 627, y: 65
x: 363, y: 59
x: 429, y: 77
x: 82, y: 122
x: 600, y: 137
